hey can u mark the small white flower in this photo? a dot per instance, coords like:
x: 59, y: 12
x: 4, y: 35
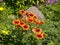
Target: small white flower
x: 13, y: 17
x: 4, y: 3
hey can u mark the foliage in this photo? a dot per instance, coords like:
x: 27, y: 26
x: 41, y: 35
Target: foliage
x: 21, y: 4
x: 14, y: 35
x: 51, y: 43
x: 51, y: 11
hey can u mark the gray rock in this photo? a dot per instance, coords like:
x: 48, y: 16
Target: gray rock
x: 35, y: 10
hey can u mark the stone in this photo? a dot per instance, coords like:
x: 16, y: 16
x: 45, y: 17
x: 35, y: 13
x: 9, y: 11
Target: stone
x: 38, y: 13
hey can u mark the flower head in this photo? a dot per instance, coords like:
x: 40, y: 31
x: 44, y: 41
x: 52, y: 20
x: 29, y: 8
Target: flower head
x: 22, y: 12
x: 31, y: 14
x: 13, y: 17
x: 25, y: 27
x: 39, y: 36
x: 21, y: 23
x: 44, y: 34
x: 35, y: 17
x: 37, y: 30
x: 16, y: 22
x: 42, y: 22
x: 29, y: 19
x: 27, y: 13
x: 5, y: 32
x: 37, y: 23
x: 1, y: 8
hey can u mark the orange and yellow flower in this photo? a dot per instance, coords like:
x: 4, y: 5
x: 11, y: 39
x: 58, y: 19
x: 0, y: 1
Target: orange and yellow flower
x: 21, y: 23
x: 29, y: 19
x: 22, y: 12
x: 31, y: 14
x: 32, y: 17
x: 37, y: 30
x: 27, y: 13
x: 39, y: 36
x: 37, y: 22
x: 42, y: 22
x: 35, y: 17
x: 16, y: 22
x: 44, y: 34
x: 21, y: 19
x: 25, y: 27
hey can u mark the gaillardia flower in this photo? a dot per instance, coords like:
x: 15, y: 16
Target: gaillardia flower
x: 37, y: 30
x: 39, y: 36
x: 29, y: 19
x: 16, y: 22
x: 31, y: 14
x: 44, y: 34
x: 25, y: 27
x: 37, y: 22
x: 35, y: 17
x: 27, y: 13
x: 42, y: 22
x: 21, y: 23
x: 22, y: 12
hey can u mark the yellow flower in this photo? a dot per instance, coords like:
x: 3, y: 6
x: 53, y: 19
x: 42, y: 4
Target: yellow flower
x: 1, y: 8
x: 5, y: 32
